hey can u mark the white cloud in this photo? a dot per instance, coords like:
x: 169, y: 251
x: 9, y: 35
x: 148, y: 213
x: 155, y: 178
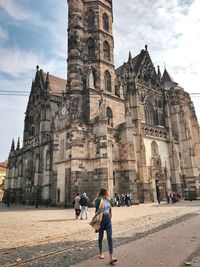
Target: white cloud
x: 15, y: 61
x: 14, y: 9
x: 3, y: 34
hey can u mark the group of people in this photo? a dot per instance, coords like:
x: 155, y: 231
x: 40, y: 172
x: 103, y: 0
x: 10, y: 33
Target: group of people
x: 81, y: 206
x: 122, y: 200
x: 173, y: 197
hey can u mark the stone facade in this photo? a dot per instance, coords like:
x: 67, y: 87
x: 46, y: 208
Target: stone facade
x: 129, y: 129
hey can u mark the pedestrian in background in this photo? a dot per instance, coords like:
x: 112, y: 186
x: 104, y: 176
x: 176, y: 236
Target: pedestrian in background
x: 96, y: 202
x: 105, y: 224
x: 127, y: 200
x: 84, y: 206
x: 168, y: 197
x: 77, y: 205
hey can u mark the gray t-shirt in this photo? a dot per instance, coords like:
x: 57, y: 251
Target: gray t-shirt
x: 77, y: 202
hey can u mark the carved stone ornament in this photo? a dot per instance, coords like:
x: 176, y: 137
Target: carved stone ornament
x: 90, y: 78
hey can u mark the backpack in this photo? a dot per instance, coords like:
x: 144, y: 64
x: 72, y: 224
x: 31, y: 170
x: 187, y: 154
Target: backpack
x: 83, y: 201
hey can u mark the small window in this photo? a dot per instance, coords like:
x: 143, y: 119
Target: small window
x: 107, y: 78
x: 105, y: 22
x: 91, y: 48
x: 106, y: 50
x: 90, y: 19
x: 109, y: 114
x: 114, y: 178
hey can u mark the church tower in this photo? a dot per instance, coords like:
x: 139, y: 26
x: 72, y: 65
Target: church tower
x: 90, y: 44
x: 99, y: 43
x: 75, y: 45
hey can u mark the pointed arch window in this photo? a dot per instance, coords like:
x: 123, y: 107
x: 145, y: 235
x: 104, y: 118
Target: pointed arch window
x: 107, y: 78
x: 106, y: 50
x: 109, y: 114
x: 105, y: 22
x: 90, y: 19
x: 91, y: 48
x: 149, y: 115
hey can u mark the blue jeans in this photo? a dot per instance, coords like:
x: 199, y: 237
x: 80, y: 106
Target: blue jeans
x: 106, y: 225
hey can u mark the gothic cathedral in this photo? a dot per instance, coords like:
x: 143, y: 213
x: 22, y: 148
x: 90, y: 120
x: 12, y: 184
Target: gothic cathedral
x: 129, y: 129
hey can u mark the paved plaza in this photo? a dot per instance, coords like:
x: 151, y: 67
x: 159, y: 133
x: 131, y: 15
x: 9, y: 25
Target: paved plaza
x: 52, y: 236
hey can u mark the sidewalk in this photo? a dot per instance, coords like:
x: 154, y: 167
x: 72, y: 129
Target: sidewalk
x: 168, y: 248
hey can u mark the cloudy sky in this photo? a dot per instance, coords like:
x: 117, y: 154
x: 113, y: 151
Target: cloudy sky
x: 34, y: 32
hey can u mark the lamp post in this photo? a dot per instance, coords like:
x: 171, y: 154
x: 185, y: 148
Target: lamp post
x: 37, y: 196
x: 8, y: 196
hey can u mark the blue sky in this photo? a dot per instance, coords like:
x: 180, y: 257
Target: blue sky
x: 34, y: 32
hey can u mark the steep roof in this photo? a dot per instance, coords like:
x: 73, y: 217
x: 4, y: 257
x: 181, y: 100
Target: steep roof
x: 2, y: 169
x: 167, y: 77
x: 57, y: 85
x: 126, y: 65
x: 135, y: 63
x: 4, y: 164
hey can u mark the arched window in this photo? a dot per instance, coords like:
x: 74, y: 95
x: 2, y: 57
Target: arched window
x: 90, y: 19
x: 151, y: 116
x: 91, y: 48
x: 106, y: 50
x: 107, y: 78
x: 105, y: 22
x: 109, y: 116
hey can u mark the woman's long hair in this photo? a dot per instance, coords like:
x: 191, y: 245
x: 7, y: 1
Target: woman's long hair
x: 103, y: 192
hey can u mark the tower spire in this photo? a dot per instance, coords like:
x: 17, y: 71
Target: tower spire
x: 47, y: 83
x: 12, y: 145
x: 129, y: 56
x: 159, y: 73
x: 18, y: 144
x: 130, y: 60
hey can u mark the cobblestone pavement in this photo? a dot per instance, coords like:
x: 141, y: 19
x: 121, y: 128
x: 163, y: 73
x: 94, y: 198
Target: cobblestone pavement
x: 54, y: 238
x: 193, y: 260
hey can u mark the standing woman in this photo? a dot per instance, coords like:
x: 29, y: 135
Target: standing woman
x: 77, y: 205
x: 106, y: 224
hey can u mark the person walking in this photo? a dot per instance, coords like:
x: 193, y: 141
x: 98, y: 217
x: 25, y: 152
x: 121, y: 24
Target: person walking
x: 96, y: 203
x: 105, y: 224
x: 168, y: 197
x: 127, y: 200
x: 84, y: 206
x: 77, y: 205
